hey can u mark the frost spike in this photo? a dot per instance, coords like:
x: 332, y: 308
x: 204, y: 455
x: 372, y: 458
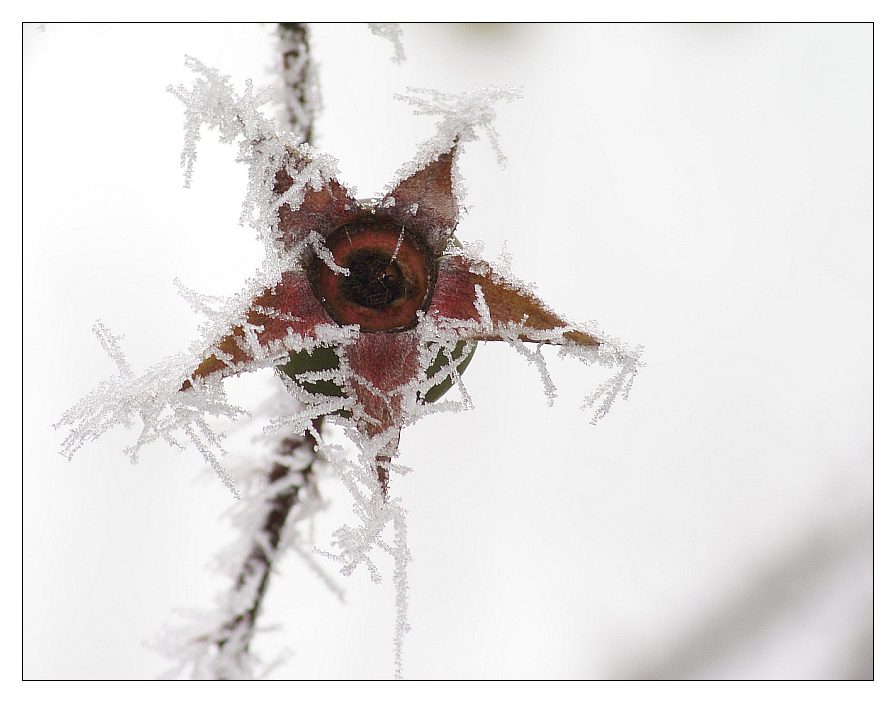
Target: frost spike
x: 425, y: 201
x: 456, y: 297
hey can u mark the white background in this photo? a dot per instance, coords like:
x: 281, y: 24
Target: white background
x: 703, y: 190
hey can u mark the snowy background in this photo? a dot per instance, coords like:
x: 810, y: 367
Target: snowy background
x: 703, y: 190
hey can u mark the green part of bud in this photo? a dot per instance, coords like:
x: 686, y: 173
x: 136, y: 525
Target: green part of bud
x: 441, y: 360
x: 318, y: 359
x: 326, y: 359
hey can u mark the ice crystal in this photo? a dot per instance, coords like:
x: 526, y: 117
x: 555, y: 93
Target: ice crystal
x: 460, y: 117
x: 152, y: 398
x: 212, y: 102
x: 316, y: 242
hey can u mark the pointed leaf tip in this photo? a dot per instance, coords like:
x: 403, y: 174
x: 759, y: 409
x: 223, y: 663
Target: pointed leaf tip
x: 321, y: 210
x: 456, y: 297
x: 426, y: 202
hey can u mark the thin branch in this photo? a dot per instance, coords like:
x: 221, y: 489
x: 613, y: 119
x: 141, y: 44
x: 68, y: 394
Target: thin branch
x: 255, y: 573
x: 298, y: 78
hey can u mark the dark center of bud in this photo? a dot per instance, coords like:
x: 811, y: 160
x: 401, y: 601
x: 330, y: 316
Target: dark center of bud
x: 390, y: 276
x: 375, y: 281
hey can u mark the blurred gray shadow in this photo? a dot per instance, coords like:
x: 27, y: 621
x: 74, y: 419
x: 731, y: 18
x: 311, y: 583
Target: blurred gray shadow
x: 791, y: 579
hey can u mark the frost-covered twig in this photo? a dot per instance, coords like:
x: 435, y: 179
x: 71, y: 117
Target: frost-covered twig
x: 294, y: 471
x: 280, y: 497
x: 299, y: 92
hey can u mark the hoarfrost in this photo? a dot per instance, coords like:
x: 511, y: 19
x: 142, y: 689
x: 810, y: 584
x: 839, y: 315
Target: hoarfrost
x: 460, y: 116
x: 397, y: 245
x: 212, y: 102
x: 202, y: 303
x: 352, y: 546
x: 316, y: 241
x: 110, y: 345
x: 613, y: 353
x: 153, y: 398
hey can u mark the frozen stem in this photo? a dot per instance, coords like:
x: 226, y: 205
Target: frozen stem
x: 298, y: 77
x: 236, y: 635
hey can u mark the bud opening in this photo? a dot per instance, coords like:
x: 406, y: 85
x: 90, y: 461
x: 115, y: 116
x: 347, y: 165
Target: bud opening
x: 391, y: 276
